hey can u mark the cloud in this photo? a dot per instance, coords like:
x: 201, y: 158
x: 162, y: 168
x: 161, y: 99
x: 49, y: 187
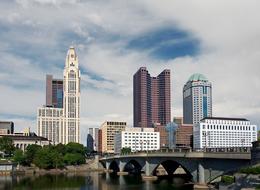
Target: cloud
x: 114, y: 38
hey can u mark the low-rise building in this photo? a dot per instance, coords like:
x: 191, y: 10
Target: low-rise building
x: 138, y: 139
x: 6, y: 127
x: 108, y: 131
x: 217, y: 132
x: 164, y: 140
x: 184, y: 136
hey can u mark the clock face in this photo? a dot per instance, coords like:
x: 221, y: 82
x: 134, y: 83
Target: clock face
x: 72, y: 55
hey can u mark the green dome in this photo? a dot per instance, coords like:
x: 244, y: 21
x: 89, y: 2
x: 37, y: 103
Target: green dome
x: 197, y: 77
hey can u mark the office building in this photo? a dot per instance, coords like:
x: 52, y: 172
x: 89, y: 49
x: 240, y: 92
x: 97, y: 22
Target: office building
x: 50, y: 123
x: 54, y: 92
x: 152, y: 98
x: 197, y: 99
x: 6, y: 127
x: 109, y: 129
x: 164, y: 140
x: 99, y: 141
x: 217, y: 132
x: 62, y: 122
x: 184, y: 136
x: 71, y: 99
x: 92, y: 139
x: 138, y: 139
x: 178, y: 120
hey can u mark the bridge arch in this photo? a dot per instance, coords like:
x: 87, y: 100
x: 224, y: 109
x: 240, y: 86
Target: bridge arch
x: 171, y: 166
x: 114, y: 166
x: 133, y: 166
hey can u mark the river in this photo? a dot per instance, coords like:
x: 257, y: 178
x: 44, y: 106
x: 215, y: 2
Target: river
x: 89, y: 181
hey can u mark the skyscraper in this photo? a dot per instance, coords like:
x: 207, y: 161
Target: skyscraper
x: 59, y: 121
x: 197, y: 99
x: 54, y: 92
x: 71, y: 98
x: 152, y: 98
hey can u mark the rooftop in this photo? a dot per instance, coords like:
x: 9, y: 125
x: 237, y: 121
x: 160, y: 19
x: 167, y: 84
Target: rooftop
x: 197, y: 77
x: 225, y: 118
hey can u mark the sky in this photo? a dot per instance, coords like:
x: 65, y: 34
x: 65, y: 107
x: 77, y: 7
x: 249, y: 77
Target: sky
x: 113, y: 38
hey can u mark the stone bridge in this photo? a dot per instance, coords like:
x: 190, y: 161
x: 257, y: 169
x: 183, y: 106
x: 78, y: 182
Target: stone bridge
x: 201, y: 167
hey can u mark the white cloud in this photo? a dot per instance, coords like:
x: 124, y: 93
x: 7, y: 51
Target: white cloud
x: 228, y: 33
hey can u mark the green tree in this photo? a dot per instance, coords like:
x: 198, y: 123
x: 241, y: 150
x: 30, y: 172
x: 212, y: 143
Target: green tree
x: 60, y: 148
x: 6, y: 145
x: 75, y: 148
x: 19, y: 156
x: 126, y: 150
x: 74, y: 159
x: 42, y: 158
x: 30, y: 153
x: 56, y: 158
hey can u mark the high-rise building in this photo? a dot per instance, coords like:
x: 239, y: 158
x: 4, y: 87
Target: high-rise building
x: 54, y: 92
x: 108, y: 130
x: 197, y: 99
x: 60, y: 122
x: 152, y: 98
x: 71, y: 98
x: 218, y: 132
x: 50, y: 123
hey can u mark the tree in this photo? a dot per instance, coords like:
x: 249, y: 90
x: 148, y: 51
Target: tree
x: 30, y: 153
x: 19, y: 156
x: 6, y: 145
x: 126, y: 150
x: 73, y: 147
x: 74, y: 159
x: 42, y: 158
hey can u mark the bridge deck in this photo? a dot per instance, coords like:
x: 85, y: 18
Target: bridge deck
x: 213, y: 155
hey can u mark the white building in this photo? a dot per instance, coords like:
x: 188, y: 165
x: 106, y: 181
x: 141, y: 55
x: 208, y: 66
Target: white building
x: 216, y: 132
x: 197, y: 99
x: 50, y: 123
x: 138, y: 139
x: 71, y: 98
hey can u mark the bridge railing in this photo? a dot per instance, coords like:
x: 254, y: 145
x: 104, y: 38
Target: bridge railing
x: 185, y: 150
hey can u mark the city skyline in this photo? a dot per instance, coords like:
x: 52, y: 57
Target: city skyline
x: 212, y: 40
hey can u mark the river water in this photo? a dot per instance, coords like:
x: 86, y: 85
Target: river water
x: 89, y: 181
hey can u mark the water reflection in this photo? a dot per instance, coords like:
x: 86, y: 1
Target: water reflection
x: 89, y: 181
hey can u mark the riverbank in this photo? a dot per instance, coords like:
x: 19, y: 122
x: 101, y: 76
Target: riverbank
x: 67, y: 169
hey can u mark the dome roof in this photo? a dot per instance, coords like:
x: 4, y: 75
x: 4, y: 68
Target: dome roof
x: 197, y: 77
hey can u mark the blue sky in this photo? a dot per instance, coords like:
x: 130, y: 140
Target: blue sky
x: 113, y: 39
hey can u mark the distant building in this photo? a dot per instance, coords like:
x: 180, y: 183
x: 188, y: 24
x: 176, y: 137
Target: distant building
x: 184, y: 136
x: 99, y: 140
x: 197, y: 99
x: 6, y: 127
x: 92, y: 139
x: 217, y: 132
x: 138, y: 139
x: 59, y: 120
x: 54, y: 92
x: 178, y: 120
x: 164, y: 140
x: 152, y: 98
x: 23, y: 139
x: 50, y: 123
x: 108, y: 130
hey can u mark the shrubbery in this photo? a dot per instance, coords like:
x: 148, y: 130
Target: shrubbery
x: 227, y: 179
x: 51, y: 156
x: 251, y: 170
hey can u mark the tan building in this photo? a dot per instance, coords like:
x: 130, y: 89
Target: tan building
x: 108, y: 131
